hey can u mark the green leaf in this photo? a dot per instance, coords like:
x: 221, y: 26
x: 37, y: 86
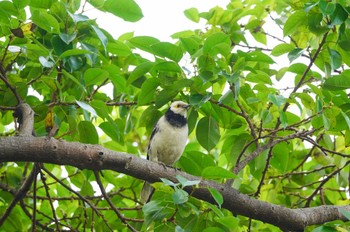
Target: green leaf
x: 294, y: 54
x: 297, y: 68
x: 95, y: 76
x: 281, y: 49
x: 45, y: 21
x: 59, y: 45
x: 336, y: 59
x: 278, y: 100
x: 347, y: 119
x: 214, y: 172
x: 259, y: 57
x: 315, y: 23
x: 111, y: 130
x: 294, y: 21
x: 192, y: 14
x: 345, y: 213
x: 96, y: 3
x: 280, y: 158
x: 46, y: 63
x: 21, y: 3
x: 125, y: 9
x: 74, y: 52
x: 101, y: 36
x: 228, y: 221
x: 86, y: 107
x: 190, y: 44
x: 169, y: 182
x: 309, y: 6
x: 118, y: 48
x: 197, y: 100
x: 284, y: 119
x: 207, y: 133
x: 101, y: 110
x: 154, y: 211
x: 7, y: 8
x: 148, y: 91
x: 327, y: 7
x: 167, y: 66
x: 144, y: 42
x: 139, y: 71
x: 67, y: 38
x: 180, y: 196
x: 149, y: 117
x: 325, y: 229
x: 165, y: 96
x: 217, y: 196
x: 194, y: 162
x: 217, y: 43
x: 87, y: 132
x: 168, y: 50
x: 73, y: 78
x: 184, y: 182
x: 339, y: 82
x: 45, y: 4
x: 339, y: 15
x: 78, y: 17
x: 307, y: 101
x: 259, y: 77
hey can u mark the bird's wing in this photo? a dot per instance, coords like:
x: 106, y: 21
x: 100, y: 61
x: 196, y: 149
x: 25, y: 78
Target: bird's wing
x: 154, y: 131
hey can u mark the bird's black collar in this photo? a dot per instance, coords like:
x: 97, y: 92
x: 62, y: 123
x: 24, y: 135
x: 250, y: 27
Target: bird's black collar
x: 176, y: 120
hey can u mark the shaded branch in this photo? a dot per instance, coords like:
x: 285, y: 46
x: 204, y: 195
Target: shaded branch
x: 13, y: 89
x: 43, y: 179
x: 105, y: 195
x: 20, y: 194
x: 94, y: 157
x: 93, y: 207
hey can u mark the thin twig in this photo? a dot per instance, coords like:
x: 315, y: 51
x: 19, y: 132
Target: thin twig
x: 5, y: 108
x: 43, y: 179
x: 25, y: 210
x: 94, y: 209
x: 261, y: 183
x: 303, y: 172
x: 34, y: 201
x: 97, y: 88
x: 323, y: 182
x: 105, y: 195
x: 296, y: 88
x: 20, y: 194
x: 8, y: 84
x: 245, y: 116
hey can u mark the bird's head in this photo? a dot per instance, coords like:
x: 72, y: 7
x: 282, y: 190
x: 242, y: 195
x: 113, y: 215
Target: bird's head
x: 179, y: 107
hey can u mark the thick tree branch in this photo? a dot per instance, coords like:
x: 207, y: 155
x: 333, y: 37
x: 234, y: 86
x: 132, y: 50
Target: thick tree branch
x: 95, y: 157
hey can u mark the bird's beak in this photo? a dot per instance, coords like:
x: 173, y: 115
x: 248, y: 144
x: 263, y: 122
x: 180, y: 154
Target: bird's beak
x: 186, y: 106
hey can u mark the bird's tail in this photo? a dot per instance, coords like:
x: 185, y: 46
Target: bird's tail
x: 146, y: 192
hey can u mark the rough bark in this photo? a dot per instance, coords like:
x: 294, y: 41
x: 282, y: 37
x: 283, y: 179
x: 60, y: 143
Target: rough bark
x: 94, y: 157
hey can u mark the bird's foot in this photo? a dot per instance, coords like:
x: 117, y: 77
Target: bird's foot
x: 164, y: 165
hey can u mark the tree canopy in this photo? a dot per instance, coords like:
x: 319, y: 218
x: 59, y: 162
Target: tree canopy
x: 269, y: 124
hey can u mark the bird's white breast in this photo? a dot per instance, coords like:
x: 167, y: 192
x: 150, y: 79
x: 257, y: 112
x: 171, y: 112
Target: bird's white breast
x: 168, y: 143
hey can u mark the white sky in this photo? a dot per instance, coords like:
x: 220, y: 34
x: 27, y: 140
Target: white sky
x: 162, y: 18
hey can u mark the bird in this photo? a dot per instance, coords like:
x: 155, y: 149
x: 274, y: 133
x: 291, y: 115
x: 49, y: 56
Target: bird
x: 167, y: 141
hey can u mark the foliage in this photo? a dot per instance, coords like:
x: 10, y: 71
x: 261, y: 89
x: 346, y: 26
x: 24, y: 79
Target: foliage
x: 99, y: 89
